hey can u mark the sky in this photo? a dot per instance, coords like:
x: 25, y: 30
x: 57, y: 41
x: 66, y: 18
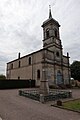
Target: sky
x: 20, y: 27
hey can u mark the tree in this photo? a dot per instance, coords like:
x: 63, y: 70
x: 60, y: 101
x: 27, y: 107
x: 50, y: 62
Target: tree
x: 2, y: 77
x: 75, y: 70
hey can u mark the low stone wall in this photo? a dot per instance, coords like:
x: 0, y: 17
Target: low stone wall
x: 52, y: 96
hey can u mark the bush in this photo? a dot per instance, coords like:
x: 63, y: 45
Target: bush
x: 69, y: 86
x: 53, y: 87
x: 2, y: 77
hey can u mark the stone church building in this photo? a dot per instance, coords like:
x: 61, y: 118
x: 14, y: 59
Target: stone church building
x: 49, y: 60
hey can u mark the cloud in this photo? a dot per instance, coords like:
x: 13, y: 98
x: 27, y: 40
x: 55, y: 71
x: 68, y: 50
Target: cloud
x: 20, y: 27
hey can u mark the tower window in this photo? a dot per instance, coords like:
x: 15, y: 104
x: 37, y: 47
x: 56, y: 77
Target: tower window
x: 29, y: 60
x: 47, y: 33
x: 19, y: 64
x: 38, y: 74
x: 55, y: 32
x: 57, y: 54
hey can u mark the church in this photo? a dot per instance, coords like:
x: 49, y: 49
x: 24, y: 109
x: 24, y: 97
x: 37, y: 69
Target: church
x: 50, y: 59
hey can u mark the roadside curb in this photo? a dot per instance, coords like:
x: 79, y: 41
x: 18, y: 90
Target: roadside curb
x: 65, y: 108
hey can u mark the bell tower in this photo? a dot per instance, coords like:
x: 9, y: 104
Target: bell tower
x: 51, y: 37
x: 52, y: 43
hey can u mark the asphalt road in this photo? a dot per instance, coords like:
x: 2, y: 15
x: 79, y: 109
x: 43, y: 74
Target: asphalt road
x: 15, y: 107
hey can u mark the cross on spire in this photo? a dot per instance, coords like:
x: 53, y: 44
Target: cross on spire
x: 50, y: 15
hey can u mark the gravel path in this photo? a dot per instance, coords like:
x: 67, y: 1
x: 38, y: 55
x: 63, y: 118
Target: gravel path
x: 15, y: 107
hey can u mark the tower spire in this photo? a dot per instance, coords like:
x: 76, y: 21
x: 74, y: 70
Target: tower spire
x: 50, y: 15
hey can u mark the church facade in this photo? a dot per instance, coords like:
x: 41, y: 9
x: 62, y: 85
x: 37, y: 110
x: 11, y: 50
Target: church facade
x: 50, y: 59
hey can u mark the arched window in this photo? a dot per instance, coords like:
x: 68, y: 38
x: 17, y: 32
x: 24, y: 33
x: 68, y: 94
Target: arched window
x: 19, y: 64
x: 38, y: 74
x: 57, y: 54
x: 29, y: 60
x: 55, y: 33
x: 47, y: 33
x: 12, y: 66
x: 18, y: 77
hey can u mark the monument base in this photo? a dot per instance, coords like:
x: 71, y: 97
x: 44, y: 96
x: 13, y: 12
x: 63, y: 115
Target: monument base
x: 44, y: 87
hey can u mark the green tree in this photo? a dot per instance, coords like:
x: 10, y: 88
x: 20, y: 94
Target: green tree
x: 75, y: 70
x: 2, y: 77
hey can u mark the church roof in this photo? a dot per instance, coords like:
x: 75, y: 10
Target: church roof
x: 50, y: 19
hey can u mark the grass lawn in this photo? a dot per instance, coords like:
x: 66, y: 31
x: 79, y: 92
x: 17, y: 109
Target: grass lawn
x: 73, y: 105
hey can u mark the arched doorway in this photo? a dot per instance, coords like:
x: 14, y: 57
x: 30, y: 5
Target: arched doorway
x: 59, y: 77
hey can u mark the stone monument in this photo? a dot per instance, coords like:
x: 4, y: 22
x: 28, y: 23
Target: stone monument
x: 44, y: 87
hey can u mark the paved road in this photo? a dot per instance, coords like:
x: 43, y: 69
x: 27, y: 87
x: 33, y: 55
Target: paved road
x: 15, y: 107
